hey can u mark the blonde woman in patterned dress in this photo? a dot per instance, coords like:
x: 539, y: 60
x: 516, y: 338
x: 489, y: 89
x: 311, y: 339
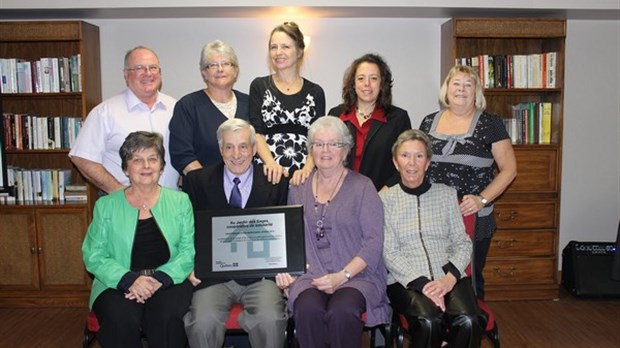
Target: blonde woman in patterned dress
x: 282, y: 107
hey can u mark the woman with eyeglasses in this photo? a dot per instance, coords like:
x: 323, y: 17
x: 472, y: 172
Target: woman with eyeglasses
x: 345, y: 274
x: 282, y: 107
x: 193, y: 142
x: 371, y: 118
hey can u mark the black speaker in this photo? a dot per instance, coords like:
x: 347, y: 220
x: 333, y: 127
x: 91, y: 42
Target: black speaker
x: 587, y: 269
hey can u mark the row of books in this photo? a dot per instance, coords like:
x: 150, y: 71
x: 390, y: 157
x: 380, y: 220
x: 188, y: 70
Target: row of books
x: 530, y: 123
x: 44, y: 185
x: 515, y: 71
x: 30, y: 132
x: 46, y: 75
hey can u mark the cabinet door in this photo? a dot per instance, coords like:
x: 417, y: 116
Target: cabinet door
x: 18, y: 250
x: 60, y: 232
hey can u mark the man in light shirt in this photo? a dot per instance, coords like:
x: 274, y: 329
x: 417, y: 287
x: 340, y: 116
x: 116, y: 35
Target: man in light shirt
x: 140, y: 107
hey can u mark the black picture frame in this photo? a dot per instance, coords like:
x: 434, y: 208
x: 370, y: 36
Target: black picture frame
x: 294, y: 241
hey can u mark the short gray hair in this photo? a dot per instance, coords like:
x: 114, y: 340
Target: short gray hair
x: 410, y: 135
x: 217, y: 47
x: 233, y: 125
x: 142, y: 140
x: 334, y: 124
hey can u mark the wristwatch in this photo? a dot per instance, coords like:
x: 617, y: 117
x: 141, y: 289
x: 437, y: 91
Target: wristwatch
x: 347, y: 274
x: 483, y: 200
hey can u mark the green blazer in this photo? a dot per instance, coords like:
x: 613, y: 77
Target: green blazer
x: 108, y: 243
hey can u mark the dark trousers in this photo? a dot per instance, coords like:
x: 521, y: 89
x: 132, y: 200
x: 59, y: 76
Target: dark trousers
x: 429, y: 326
x: 324, y: 320
x: 160, y: 318
x: 481, y: 250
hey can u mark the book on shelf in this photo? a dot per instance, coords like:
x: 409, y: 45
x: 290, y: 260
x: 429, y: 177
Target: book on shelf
x: 40, y: 185
x: 537, y: 70
x: 45, y: 75
x: 530, y: 123
x: 64, y: 179
x: 75, y: 188
x: 31, y: 132
x: 76, y: 196
x: 546, y: 123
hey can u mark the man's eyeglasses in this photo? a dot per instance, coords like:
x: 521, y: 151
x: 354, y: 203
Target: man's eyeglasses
x: 328, y: 146
x: 218, y: 65
x: 141, y: 69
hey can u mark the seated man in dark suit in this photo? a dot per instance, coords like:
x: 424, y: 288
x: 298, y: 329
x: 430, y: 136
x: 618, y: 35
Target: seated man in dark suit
x: 236, y: 183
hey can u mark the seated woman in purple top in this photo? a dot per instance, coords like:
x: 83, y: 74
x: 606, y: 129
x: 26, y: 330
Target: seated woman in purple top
x: 345, y: 274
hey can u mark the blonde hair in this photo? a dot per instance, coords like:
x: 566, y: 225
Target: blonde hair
x: 481, y: 102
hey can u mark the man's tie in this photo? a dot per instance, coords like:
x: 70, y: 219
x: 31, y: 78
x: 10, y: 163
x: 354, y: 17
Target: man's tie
x: 235, y: 195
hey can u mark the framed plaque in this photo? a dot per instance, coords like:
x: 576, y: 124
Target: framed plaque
x: 249, y: 243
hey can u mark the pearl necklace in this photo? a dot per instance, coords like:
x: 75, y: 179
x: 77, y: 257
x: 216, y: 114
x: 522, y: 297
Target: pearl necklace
x: 320, y: 223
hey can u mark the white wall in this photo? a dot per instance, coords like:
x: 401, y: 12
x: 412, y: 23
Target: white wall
x: 410, y: 46
x: 590, y: 205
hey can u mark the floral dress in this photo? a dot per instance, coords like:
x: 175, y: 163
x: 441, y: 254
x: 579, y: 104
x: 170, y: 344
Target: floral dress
x: 284, y: 119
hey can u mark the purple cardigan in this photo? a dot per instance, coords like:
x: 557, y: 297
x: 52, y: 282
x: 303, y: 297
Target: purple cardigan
x: 354, y: 227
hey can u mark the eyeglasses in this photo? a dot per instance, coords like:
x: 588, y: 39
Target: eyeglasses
x: 218, y: 65
x: 141, y: 69
x: 328, y: 146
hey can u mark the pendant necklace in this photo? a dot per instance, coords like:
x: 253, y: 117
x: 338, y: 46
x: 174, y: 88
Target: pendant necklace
x: 290, y: 85
x: 363, y: 115
x: 144, y: 206
x: 320, y: 223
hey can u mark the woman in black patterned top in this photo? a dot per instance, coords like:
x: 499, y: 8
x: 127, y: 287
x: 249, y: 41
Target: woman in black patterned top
x: 472, y: 153
x: 282, y: 107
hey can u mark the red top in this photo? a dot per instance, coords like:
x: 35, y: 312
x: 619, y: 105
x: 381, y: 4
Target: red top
x: 362, y: 132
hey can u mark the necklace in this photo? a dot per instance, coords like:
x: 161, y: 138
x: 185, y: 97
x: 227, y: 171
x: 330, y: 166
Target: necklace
x: 287, y: 86
x: 320, y: 223
x: 145, y: 204
x: 363, y: 115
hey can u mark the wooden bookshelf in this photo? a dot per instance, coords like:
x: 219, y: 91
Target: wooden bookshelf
x: 40, y: 242
x: 523, y: 259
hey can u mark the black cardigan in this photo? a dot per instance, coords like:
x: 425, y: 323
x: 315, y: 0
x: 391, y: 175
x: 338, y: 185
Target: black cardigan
x: 377, y: 155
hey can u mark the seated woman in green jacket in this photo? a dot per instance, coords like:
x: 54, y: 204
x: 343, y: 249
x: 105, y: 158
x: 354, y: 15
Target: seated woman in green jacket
x: 140, y: 248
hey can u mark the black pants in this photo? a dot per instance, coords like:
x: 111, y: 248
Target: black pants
x: 481, y: 250
x: 429, y: 326
x: 160, y: 318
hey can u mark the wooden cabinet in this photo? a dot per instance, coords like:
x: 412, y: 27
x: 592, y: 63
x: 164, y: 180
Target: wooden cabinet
x: 40, y: 242
x: 42, y: 256
x: 523, y: 259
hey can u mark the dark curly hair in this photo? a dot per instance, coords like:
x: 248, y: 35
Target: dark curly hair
x: 349, y: 97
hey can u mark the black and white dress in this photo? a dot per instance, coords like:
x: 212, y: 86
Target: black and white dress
x: 284, y: 119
